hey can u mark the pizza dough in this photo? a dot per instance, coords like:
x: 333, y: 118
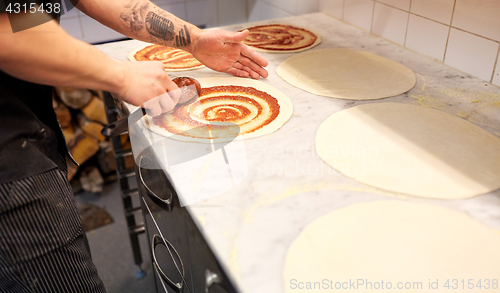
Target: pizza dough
x: 173, y: 59
x: 346, y: 74
x: 245, y: 108
x: 411, y: 149
x: 393, y: 242
x: 281, y: 38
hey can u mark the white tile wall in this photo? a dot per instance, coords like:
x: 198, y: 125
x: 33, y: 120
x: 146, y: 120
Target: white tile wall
x: 472, y: 54
x: 177, y: 9
x: 438, y: 10
x: 359, y: 13
x: 334, y: 8
x: 401, y: 4
x: 390, y: 23
x: 292, y: 7
x: 73, y: 12
x: 481, y: 17
x: 202, y: 13
x: 232, y: 11
x: 169, y: 1
x: 306, y: 6
x: 259, y: 10
x: 275, y: 3
x: 462, y: 33
x: 427, y: 37
x: 289, y: 6
x: 95, y: 32
x: 72, y: 27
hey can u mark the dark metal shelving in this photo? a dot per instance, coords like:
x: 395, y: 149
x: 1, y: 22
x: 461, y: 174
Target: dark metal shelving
x: 125, y: 174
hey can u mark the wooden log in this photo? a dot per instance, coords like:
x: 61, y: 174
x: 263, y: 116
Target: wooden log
x: 91, y: 179
x: 72, y: 169
x: 83, y: 147
x: 106, y: 158
x: 62, y: 112
x: 74, y: 98
x: 124, y: 138
x: 95, y: 111
x: 90, y: 128
x: 69, y: 133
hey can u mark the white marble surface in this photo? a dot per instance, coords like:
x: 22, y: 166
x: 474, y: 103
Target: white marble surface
x: 287, y: 185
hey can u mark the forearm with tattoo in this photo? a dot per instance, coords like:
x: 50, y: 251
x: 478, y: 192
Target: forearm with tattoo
x: 159, y: 27
x: 156, y: 25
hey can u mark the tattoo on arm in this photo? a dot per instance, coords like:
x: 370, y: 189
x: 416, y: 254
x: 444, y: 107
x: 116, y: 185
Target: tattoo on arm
x: 133, y: 16
x: 159, y: 26
x: 183, y: 38
x: 140, y: 15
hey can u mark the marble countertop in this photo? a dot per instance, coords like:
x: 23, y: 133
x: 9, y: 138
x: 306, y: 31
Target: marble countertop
x: 286, y: 186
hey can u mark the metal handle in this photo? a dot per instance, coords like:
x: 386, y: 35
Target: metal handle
x: 118, y: 127
x: 166, y: 203
x: 210, y: 279
x: 157, y: 239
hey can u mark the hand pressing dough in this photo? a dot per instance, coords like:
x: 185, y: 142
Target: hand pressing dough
x: 346, y: 74
x: 393, y: 241
x: 411, y: 149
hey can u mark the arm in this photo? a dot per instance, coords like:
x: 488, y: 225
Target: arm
x: 47, y: 55
x: 140, y: 19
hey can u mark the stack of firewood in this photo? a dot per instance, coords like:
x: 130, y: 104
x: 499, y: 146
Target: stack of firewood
x: 82, y: 116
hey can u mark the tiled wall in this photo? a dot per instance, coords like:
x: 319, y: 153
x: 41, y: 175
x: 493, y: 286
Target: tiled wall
x: 268, y: 9
x: 464, y: 34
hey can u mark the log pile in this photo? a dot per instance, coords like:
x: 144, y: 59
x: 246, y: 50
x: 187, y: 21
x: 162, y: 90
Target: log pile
x: 82, y: 116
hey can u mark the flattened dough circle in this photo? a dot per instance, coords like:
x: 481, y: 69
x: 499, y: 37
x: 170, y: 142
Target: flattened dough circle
x: 412, y: 150
x: 393, y: 241
x: 346, y: 74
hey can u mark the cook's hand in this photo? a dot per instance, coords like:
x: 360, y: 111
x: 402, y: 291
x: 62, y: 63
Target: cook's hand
x: 147, y: 84
x: 223, y: 51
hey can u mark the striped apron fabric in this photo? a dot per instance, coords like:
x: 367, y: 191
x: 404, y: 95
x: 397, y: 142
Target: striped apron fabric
x: 43, y: 247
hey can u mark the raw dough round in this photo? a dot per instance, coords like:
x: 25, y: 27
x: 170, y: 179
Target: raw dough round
x: 411, y: 149
x: 346, y: 74
x: 394, y: 241
x: 285, y: 112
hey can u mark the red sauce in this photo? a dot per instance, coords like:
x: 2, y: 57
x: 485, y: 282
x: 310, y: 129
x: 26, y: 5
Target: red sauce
x: 224, y: 111
x: 268, y: 36
x: 171, y: 58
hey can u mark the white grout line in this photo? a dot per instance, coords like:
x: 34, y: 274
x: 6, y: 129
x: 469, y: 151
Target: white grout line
x: 217, y: 13
x: 343, y: 7
x: 407, y: 24
x: 477, y: 35
x: 495, y: 65
x: 449, y: 30
x: 186, y: 10
x: 373, y: 17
